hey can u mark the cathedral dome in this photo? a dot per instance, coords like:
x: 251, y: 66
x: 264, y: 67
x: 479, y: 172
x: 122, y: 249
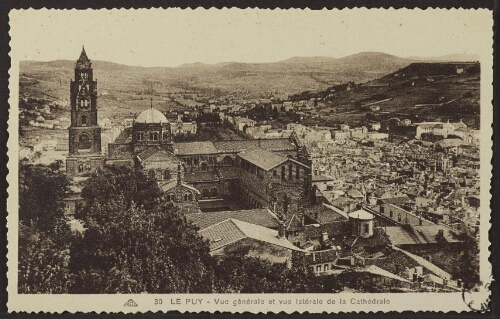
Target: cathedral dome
x: 151, y: 116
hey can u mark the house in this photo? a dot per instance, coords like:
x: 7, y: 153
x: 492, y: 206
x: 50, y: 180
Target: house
x: 231, y: 234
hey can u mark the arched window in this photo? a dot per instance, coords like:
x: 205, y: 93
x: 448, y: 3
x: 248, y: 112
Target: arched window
x: 282, y: 172
x: 159, y: 174
x: 186, y: 196
x: 190, y: 197
x: 170, y: 197
x: 227, y: 160
x: 84, y: 142
x: 213, y: 192
x: 275, y: 173
x: 290, y: 169
x: 88, y: 167
x: 399, y: 217
x: 205, y: 193
x: 84, y: 120
x: 80, y: 168
x: 297, y: 172
x: 151, y: 174
x: 167, y: 175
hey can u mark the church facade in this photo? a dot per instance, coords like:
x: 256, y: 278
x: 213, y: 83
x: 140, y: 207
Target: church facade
x: 255, y: 173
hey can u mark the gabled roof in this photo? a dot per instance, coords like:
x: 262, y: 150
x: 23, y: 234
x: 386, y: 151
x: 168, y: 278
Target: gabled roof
x: 262, y: 158
x: 193, y: 148
x: 261, y: 216
x: 233, y: 230
x: 148, y: 153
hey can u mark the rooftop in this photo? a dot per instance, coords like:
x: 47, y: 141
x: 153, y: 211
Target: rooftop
x: 151, y: 115
x: 262, y: 158
x: 233, y: 230
x: 277, y: 144
x: 416, y: 235
x: 194, y: 148
x: 262, y: 217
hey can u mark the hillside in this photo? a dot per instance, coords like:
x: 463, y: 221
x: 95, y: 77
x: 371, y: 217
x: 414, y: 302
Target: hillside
x: 245, y: 79
x: 419, y: 91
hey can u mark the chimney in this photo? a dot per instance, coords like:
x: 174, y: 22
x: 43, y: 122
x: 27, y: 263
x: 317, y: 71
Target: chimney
x: 281, y: 229
x: 324, y: 236
x: 440, y: 233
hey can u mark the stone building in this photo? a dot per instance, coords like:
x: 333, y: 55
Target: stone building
x: 85, y: 154
x: 255, y: 172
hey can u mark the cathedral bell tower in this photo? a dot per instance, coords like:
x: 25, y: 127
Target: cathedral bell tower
x: 85, y: 155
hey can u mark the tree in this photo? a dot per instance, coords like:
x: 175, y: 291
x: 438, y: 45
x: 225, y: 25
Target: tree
x: 237, y: 273
x: 41, y: 190
x: 467, y: 265
x: 114, y: 181
x: 131, y: 248
x: 43, y: 261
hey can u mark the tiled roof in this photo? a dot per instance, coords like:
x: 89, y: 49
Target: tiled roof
x: 321, y: 256
x: 232, y: 230
x: 262, y: 158
x: 222, y: 234
x: 193, y: 148
x: 395, y: 200
x: 323, y: 214
x: 332, y: 229
x: 148, y: 153
x: 199, y: 177
x: 416, y: 235
x: 268, y: 144
x: 228, y: 172
x: 262, y: 217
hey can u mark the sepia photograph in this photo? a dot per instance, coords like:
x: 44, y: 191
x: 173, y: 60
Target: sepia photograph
x: 244, y: 151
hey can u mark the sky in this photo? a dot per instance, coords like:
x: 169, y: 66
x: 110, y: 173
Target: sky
x: 172, y: 37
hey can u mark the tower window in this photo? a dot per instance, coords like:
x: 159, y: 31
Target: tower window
x: 84, y: 120
x: 282, y: 172
x: 80, y: 168
x: 166, y: 175
x: 151, y: 174
x: 140, y: 136
x: 84, y: 142
x: 290, y: 169
x: 153, y: 136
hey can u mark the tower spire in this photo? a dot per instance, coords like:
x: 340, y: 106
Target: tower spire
x: 83, y: 61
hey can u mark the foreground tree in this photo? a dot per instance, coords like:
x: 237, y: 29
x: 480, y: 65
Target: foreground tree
x: 41, y: 189
x: 43, y: 262
x: 128, y: 248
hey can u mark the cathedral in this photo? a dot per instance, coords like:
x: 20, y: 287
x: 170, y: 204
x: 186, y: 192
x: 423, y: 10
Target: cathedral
x: 206, y: 175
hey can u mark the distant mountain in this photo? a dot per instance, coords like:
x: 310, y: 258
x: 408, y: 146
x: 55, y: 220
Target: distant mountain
x: 448, y: 58
x: 289, y: 76
x: 315, y: 59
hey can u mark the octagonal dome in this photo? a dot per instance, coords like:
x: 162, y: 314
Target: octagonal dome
x: 151, y: 116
